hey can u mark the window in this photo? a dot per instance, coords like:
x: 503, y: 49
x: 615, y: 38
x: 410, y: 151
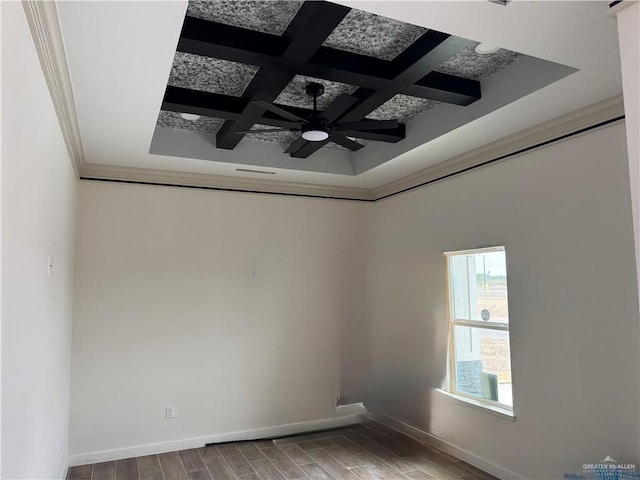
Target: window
x: 479, y: 350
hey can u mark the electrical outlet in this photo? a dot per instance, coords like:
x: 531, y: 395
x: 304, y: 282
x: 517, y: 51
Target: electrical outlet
x: 169, y: 411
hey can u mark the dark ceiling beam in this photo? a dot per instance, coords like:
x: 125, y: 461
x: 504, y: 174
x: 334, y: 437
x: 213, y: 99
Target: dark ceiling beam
x: 212, y: 39
x: 299, y: 51
x: 184, y: 100
x: 417, y: 65
x: 351, y: 63
x: 228, y: 107
x: 337, y: 107
x: 313, y: 23
x: 456, y: 85
x: 266, y: 87
x: 414, y: 64
x: 375, y: 74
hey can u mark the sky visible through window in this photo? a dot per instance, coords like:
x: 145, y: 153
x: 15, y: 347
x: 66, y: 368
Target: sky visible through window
x: 491, y: 263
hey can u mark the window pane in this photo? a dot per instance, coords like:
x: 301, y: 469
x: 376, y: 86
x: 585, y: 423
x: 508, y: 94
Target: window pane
x: 483, y: 363
x: 491, y: 284
x: 478, y: 284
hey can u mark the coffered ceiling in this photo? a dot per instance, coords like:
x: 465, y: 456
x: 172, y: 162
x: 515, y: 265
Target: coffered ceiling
x: 232, y: 57
x: 136, y: 67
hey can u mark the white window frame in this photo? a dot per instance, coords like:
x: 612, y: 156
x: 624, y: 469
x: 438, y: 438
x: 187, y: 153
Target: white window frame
x: 451, y: 383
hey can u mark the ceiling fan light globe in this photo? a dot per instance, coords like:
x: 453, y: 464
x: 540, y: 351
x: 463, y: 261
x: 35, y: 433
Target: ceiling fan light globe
x: 315, y: 135
x: 486, y: 48
x: 190, y: 116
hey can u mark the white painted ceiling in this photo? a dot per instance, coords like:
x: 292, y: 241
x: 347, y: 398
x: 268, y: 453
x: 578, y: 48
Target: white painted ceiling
x: 120, y: 55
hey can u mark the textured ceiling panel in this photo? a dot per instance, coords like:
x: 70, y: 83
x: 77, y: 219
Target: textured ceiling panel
x: 470, y: 64
x: 369, y: 34
x: 211, y: 126
x: 268, y: 17
x: 210, y: 74
x: 174, y: 120
x: 402, y: 107
x: 358, y: 32
x: 296, y: 96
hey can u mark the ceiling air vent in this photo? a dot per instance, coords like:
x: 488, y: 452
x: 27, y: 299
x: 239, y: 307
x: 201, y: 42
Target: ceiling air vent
x: 248, y: 170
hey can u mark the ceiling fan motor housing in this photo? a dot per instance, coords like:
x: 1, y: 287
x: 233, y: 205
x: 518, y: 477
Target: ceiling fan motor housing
x: 314, y: 89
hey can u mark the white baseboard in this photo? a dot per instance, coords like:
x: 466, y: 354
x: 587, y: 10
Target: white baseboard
x: 65, y: 467
x: 447, y: 447
x: 346, y: 415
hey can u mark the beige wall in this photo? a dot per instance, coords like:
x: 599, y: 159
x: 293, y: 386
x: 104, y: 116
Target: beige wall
x: 352, y: 293
x: 167, y: 311
x: 564, y: 215
x: 38, y: 215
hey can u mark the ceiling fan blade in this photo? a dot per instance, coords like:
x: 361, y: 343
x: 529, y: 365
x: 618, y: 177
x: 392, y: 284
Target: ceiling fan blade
x: 368, y: 125
x: 338, y: 107
x: 296, y: 145
x: 345, y: 142
x: 309, y: 148
x: 265, y: 130
x: 279, y: 111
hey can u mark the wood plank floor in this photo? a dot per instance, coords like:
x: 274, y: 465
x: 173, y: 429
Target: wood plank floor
x: 369, y: 451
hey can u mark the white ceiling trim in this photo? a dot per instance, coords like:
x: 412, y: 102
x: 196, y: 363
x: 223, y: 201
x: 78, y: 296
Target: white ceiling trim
x: 614, y: 10
x: 589, y: 117
x: 46, y: 32
x: 585, y: 118
x: 219, y: 182
x: 44, y: 24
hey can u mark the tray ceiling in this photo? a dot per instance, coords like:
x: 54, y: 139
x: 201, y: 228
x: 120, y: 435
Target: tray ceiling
x: 123, y: 56
x: 231, y: 54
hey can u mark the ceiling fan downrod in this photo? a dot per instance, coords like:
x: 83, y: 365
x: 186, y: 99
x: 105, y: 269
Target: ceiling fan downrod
x: 315, y: 130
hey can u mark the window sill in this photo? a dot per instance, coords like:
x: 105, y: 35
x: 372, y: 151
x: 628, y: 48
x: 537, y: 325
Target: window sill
x: 470, y: 402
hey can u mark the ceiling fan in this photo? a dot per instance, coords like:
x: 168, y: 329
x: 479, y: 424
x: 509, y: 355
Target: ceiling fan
x: 325, y: 125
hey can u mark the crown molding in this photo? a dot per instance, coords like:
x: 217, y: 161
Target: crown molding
x: 539, y: 135
x: 561, y: 128
x: 616, y: 7
x: 44, y: 24
x: 219, y: 182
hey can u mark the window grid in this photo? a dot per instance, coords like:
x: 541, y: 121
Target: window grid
x: 452, y: 384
